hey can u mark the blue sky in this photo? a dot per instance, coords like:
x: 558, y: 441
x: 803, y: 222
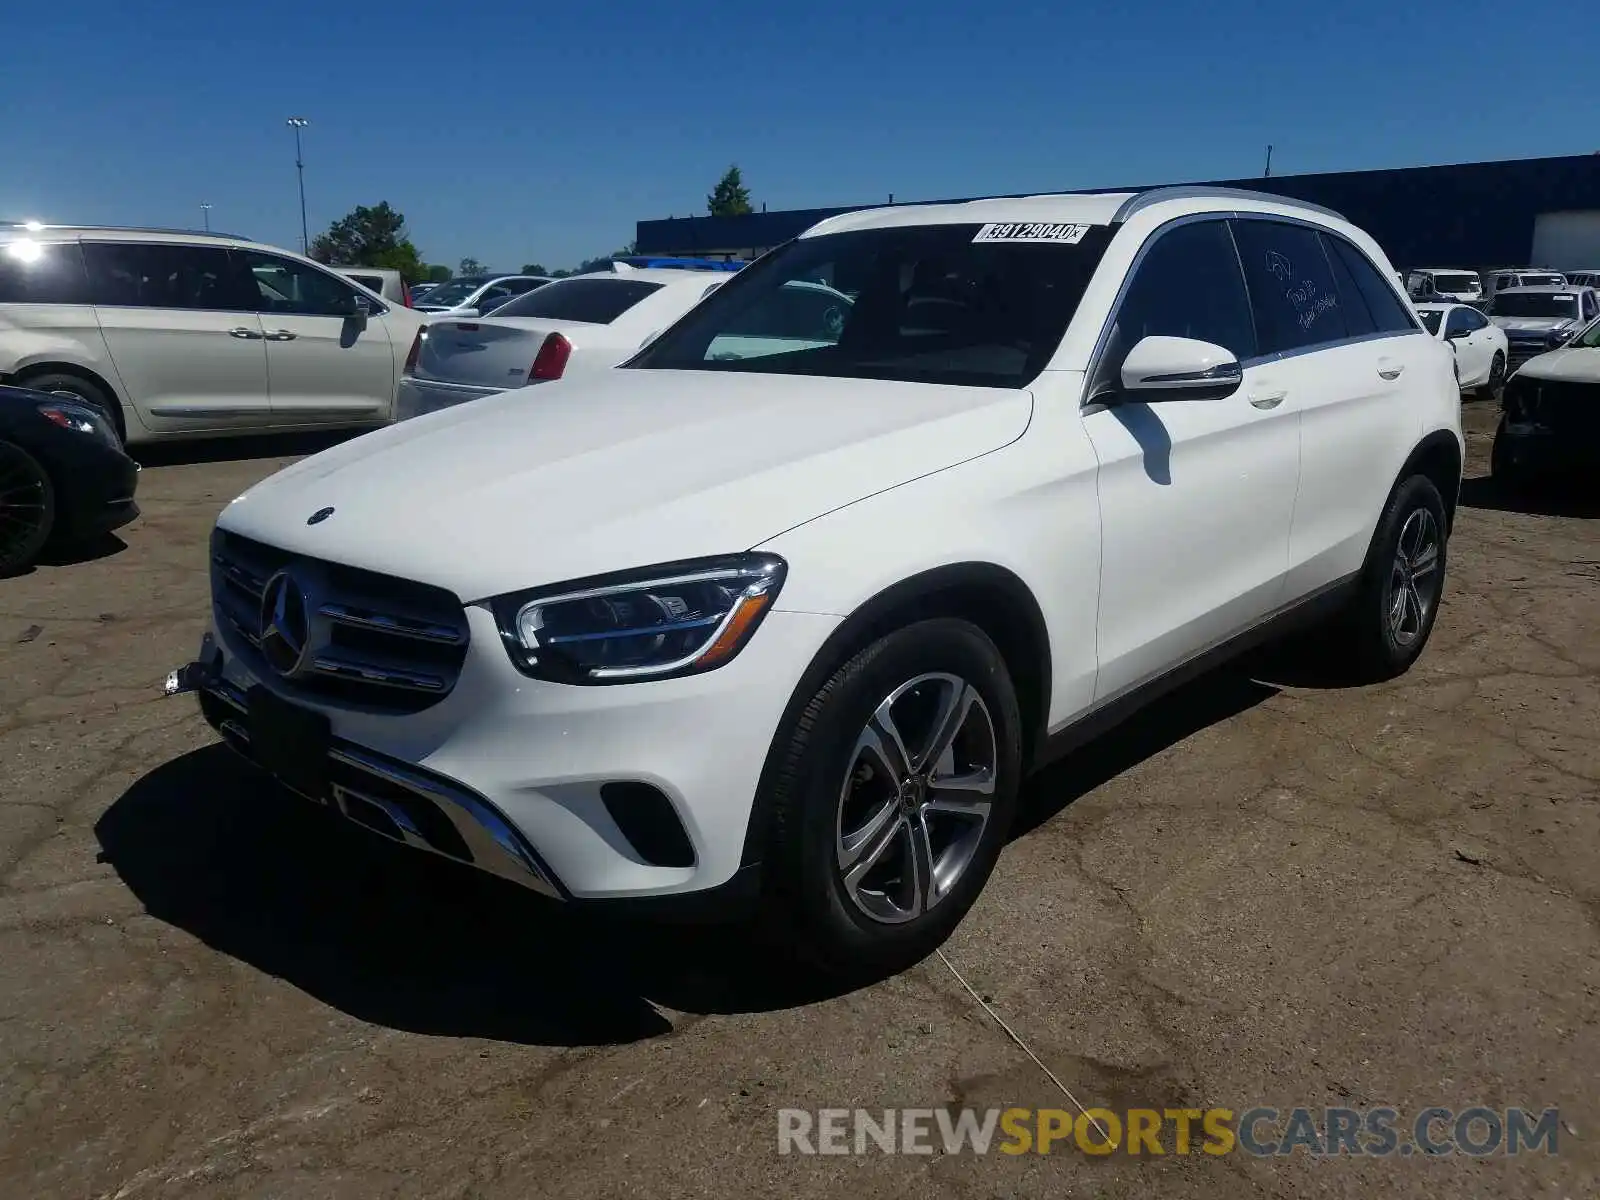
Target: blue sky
x: 545, y: 131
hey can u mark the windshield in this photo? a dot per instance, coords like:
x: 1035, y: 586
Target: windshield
x: 1431, y: 319
x: 593, y: 301
x: 1543, y: 281
x: 455, y: 291
x: 1455, y: 283
x: 1535, y: 304
x: 977, y: 305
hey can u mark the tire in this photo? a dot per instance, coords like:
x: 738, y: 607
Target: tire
x: 844, y: 826
x: 83, y: 391
x: 1392, y: 615
x: 1497, y: 378
x: 27, y: 508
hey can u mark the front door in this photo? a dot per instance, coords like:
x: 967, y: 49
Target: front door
x: 1195, y: 495
x: 323, y: 366
x: 183, y: 339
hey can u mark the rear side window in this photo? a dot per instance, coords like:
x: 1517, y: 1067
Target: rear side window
x: 42, y: 273
x: 1187, y: 285
x: 593, y: 301
x: 1388, y: 314
x: 161, y: 275
x: 1292, y: 290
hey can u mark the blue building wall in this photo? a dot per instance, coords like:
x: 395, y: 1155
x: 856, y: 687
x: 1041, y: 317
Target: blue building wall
x: 1467, y: 214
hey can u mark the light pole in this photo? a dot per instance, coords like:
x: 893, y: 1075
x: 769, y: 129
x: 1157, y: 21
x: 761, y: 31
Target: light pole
x: 297, y: 124
x: 205, y: 211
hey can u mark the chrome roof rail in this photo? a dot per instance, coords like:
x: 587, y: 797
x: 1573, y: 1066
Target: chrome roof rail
x: 47, y: 227
x: 1145, y: 199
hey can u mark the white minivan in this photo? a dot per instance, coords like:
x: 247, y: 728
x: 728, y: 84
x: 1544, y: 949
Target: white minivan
x: 175, y: 334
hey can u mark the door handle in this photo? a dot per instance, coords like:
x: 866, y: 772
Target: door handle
x: 248, y: 334
x: 282, y: 335
x: 1265, y: 400
x: 1389, y: 369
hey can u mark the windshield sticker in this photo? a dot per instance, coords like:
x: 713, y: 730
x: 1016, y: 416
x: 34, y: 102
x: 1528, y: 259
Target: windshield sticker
x: 1031, y: 232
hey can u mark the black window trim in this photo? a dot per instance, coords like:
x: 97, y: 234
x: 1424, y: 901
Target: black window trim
x: 1231, y: 215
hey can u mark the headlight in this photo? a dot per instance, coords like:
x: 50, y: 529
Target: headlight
x: 1559, y: 336
x: 80, y: 419
x: 674, y: 619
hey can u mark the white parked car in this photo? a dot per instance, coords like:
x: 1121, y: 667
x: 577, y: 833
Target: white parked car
x: 1583, y: 278
x: 173, y: 334
x: 1445, y: 285
x: 1550, y: 422
x: 384, y: 282
x: 786, y: 619
x: 1479, y: 345
x: 476, y: 295
x: 581, y: 323
x: 1538, y: 319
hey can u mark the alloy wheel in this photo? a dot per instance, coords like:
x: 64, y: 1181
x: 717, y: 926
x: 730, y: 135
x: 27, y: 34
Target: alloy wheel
x: 24, y: 506
x: 1414, y: 578
x: 917, y: 797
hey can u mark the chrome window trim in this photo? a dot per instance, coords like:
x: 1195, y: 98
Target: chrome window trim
x: 1096, y: 356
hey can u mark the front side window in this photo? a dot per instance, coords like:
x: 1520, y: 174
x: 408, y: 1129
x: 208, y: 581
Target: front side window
x: 42, y: 273
x: 968, y: 304
x: 294, y: 289
x: 1536, y: 304
x: 592, y: 301
x: 1292, y: 289
x: 1388, y: 313
x: 164, y: 275
x: 1187, y: 285
x: 1590, y: 305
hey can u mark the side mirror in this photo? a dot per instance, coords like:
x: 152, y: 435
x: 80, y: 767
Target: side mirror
x: 1162, y: 368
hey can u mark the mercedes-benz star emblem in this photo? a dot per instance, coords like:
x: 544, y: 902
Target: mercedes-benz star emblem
x: 318, y: 517
x: 285, y: 625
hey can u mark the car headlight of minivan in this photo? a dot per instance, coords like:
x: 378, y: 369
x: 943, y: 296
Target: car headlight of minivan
x: 674, y: 619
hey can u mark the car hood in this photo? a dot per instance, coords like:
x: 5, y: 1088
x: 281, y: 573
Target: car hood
x: 1531, y: 324
x: 616, y: 470
x: 1576, y: 365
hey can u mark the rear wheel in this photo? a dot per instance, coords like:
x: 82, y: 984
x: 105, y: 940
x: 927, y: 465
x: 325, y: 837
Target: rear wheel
x: 1497, y: 378
x: 27, y: 508
x: 77, y: 388
x: 1392, y: 615
x: 894, y: 798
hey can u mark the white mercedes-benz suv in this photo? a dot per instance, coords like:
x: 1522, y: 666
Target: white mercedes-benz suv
x: 786, y: 615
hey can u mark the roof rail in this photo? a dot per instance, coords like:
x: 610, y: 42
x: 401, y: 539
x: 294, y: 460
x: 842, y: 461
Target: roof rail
x: 44, y: 227
x: 1199, y: 191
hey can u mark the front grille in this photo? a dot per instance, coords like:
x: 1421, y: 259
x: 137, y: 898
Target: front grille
x: 1560, y: 405
x: 375, y: 642
x: 1522, y: 348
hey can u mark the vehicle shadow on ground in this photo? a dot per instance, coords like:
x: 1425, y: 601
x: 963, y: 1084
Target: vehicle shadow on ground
x: 1557, y: 499
x: 399, y: 938
x: 240, y: 449
x: 71, y: 554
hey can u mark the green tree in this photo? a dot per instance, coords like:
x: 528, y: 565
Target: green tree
x: 534, y: 269
x: 470, y: 266
x: 369, y: 237
x: 437, y: 273
x: 730, y: 198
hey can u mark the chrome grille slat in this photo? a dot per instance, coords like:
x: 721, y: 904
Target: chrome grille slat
x: 381, y: 643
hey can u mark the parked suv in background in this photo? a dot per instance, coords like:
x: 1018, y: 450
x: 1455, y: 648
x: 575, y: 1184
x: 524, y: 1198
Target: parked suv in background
x: 1445, y: 285
x: 476, y: 295
x: 1537, y: 319
x: 1515, y: 277
x: 175, y: 334
x: 385, y: 283
x: 786, y: 615
x: 1550, y: 422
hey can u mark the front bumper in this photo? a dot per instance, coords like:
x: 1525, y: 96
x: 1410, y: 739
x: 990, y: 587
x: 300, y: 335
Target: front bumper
x: 1531, y: 446
x: 516, y: 765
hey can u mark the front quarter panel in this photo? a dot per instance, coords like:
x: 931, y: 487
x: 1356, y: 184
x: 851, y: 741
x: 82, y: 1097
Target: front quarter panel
x: 1029, y: 507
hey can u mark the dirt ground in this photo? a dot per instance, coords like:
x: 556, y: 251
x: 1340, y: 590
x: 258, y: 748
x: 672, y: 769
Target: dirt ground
x: 1268, y: 891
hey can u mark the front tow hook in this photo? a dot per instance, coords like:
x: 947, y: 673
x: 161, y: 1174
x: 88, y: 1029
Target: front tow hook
x: 190, y: 677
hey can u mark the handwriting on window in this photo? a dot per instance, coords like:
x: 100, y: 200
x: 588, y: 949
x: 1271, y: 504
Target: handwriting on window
x: 1307, y: 299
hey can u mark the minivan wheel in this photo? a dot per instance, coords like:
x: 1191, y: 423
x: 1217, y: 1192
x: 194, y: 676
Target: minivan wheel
x: 1402, y: 582
x: 894, y: 796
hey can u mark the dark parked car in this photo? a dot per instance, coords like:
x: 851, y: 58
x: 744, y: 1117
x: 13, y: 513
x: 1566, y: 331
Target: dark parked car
x: 63, y: 475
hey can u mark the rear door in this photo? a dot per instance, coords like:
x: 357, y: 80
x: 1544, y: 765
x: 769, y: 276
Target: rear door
x: 324, y: 366
x: 1353, y: 364
x: 177, y: 322
x: 1195, y: 496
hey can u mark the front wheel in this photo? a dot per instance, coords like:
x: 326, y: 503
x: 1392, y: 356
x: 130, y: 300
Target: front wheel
x: 1401, y: 583
x: 893, y: 798
x: 27, y: 508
